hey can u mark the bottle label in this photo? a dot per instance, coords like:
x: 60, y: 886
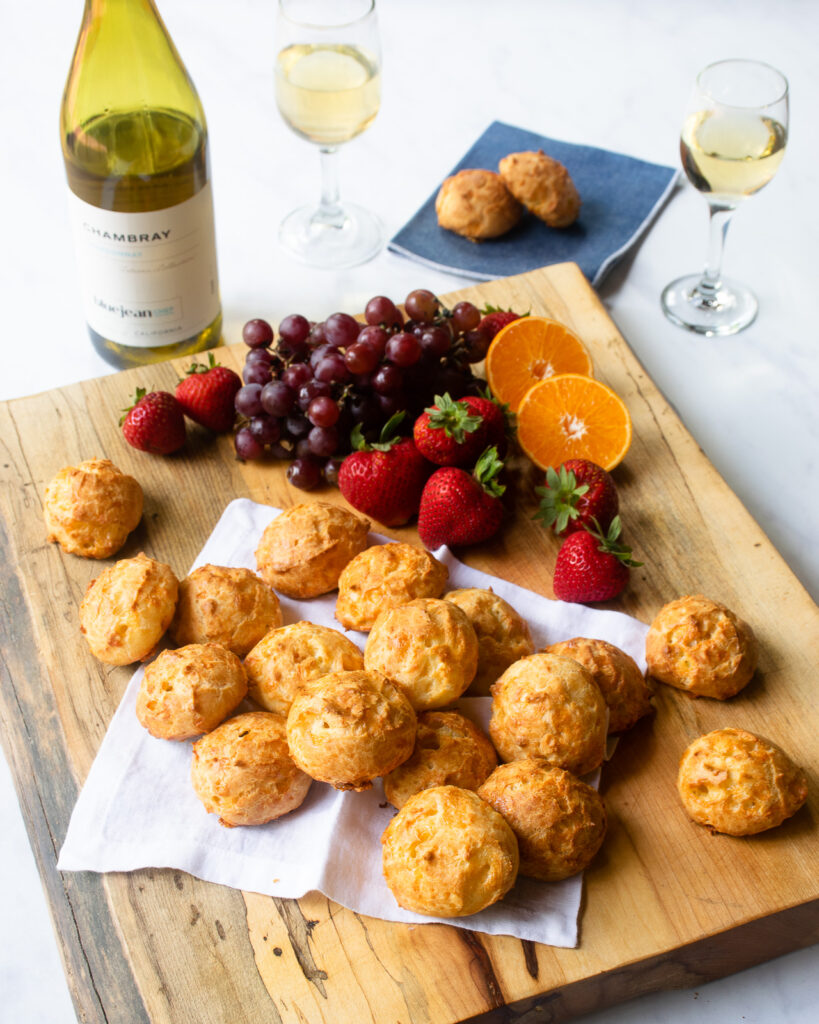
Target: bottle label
x: 148, y: 279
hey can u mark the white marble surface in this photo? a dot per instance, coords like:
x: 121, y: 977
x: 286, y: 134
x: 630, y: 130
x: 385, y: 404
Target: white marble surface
x: 613, y: 74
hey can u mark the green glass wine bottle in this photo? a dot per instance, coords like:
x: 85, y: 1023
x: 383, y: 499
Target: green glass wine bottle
x: 135, y: 145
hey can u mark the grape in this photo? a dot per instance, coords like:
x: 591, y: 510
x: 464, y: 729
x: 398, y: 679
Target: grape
x: 298, y: 351
x: 323, y: 441
x: 332, y: 368
x: 297, y: 374
x: 465, y: 316
x: 387, y: 380
x: 375, y: 337
x: 389, y: 404
x: 277, y: 398
x: 294, y: 329
x: 381, y: 310
x: 302, y: 449
x: 320, y: 352
x: 256, y: 373
x: 365, y: 410
x: 436, y: 341
x: 341, y: 329
x: 248, y: 400
x: 304, y: 474
x: 297, y: 426
x: 421, y: 305
x: 316, y: 336
x: 323, y: 412
x: 313, y: 389
x: 259, y: 355
x: 403, y: 349
x: 257, y: 333
x: 265, y: 429
x: 477, y: 344
x: 247, y: 447
x: 280, y: 451
x: 330, y: 469
x: 361, y: 358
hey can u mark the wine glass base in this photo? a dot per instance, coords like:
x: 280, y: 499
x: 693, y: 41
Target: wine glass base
x: 730, y: 310
x: 352, y: 238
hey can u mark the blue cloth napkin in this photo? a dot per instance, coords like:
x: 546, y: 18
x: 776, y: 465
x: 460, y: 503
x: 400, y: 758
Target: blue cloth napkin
x: 620, y: 195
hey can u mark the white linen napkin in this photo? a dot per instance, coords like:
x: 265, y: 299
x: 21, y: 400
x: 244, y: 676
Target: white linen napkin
x: 138, y: 809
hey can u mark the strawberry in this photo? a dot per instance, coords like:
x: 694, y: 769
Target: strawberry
x: 448, y: 433
x: 575, y: 494
x: 494, y: 319
x: 384, y: 479
x: 206, y: 394
x: 154, y: 422
x: 592, y: 566
x: 458, y: 507
x: 498, y: 419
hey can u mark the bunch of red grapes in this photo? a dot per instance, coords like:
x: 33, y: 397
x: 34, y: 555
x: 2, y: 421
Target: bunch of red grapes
x: 304, y: 392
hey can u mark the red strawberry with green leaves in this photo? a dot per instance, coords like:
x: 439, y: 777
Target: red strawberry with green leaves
x: 154, y: 422
x: 460, y: 508
x: 206, y: 394
x: 449, y: 433
x: 591, y: 565
x: 577, y: 493
x: 384, y: 479
x: 494, y: 319
x: 498, y: 419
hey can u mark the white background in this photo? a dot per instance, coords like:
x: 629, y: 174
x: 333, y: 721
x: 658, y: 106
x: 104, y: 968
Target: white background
x: 613, y: 74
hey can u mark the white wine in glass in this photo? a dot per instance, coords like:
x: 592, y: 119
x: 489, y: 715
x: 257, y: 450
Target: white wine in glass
x: 328, y: 90
x: 732, y: 143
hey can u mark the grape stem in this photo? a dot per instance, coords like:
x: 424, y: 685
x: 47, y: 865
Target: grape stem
x: 330, y: 212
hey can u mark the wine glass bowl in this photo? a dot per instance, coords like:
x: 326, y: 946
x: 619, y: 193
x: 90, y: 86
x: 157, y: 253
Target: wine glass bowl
x: 328, y: 91
x: 732, y: 143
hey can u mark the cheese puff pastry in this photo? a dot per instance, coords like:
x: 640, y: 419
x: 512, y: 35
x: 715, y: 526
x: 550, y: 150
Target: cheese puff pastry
x: 559, y: 821
x: 449, y: 751
x: 543, y: 185
x: 386, y: 576
x: 447, y: 853
x: 503, y: 636
x: 549, y: 706
x: 127, y: 609
x: 734, y: 782
x: 190, y: 690
x: 700, y: 646
x: 348, y: 728
x: 621, y: 682
x: 243, y: 771
x: 292, y: 655
x: 476, y: 204
x: 232, y: 607
x: 91, y: 508
x: 302, y: 551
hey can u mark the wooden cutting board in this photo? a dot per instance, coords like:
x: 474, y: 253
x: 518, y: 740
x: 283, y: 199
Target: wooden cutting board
x: 667, y: 904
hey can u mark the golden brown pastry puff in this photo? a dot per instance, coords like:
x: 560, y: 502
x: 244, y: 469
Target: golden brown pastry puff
x: 428, y: 647
x: 549, y: 706
x: 737, y: 783
x: 700, y: 646
x: 503, y: 636
x: 621, y: 682
x: 447, y: 853
x: 449, y: 751
x: 543, y: 185
x: 90, y: 509
x: 385, y: 576
x: 348, y: 728
x: 302, y: 552
x: 477, y: 205
x: 243, y: 771
x: 559, y: 821
x: 291, y: 655
x: 127, y: 609
x: 190, y: 690
x: 232, y: 607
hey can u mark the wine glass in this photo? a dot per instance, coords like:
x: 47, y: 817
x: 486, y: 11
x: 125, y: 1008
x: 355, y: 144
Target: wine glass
x: 328, y: 90
x: 733, y: 140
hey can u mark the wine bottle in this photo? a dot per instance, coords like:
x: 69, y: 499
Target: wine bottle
x: 135, y: 146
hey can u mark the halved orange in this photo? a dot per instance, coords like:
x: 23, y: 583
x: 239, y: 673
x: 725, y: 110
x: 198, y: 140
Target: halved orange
x: 530, y: 350
x: 570, y: 416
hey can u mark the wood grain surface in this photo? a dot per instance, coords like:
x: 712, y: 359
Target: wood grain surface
x: 666, y: 903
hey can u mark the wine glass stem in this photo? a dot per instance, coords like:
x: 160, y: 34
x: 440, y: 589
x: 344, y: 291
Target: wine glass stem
x: 720, y: 216
x: 330, y: 211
